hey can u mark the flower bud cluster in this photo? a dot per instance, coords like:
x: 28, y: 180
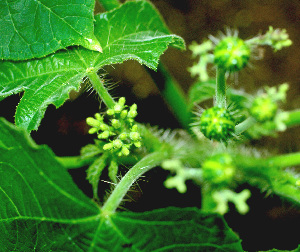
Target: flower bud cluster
x: 119, y: 131
x: 276, y: 38
x: 265, y: 106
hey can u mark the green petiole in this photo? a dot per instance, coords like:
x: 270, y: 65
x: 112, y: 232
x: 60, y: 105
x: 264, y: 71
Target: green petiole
x: 98, y: 85
x: 147, y: 163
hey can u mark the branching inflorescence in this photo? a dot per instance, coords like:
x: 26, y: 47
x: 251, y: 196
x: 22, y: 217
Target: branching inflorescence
x: 217, y: 167
x: 219, y: 173
x: 232, y: 54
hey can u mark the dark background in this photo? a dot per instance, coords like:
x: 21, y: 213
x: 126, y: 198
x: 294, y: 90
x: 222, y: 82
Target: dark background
x: 271, y: 223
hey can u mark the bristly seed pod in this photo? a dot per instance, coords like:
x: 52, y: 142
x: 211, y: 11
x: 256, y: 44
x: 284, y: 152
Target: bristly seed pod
x: 217, y: 123
x: 232, y: 54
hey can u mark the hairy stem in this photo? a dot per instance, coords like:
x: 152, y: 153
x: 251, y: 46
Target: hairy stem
x: 144, y: 165
x: 109, y: 4
x: 220, y: 100
x: 98, y: 85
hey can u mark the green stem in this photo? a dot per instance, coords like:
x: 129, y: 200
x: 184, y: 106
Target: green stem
x: 208, y: 204
x: 294, y: 118
x: 243, y: 126
x: 73, y: 162
x: 98, y: 85
x: 285, y: 160
x: 221, y: 88
x: 174, y: 96
x: 109, y: 4
x: 280, y: 161
x: 144, y: 165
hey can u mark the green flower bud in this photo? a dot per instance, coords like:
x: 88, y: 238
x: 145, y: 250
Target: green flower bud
x: 108, y: 146
x: 110, y: 112
x: 134, y: 136
x: 98, y: 117
x: 93, y: 130
x: 104, y: 135
x: 103, y: 126
x: 124, y: 151
x: 117, y: 143
x: 134, y: 128
x: 117, y: 108
x: 123, y: 114
x: 116, y: 123
x: 217, y: 123
x: 120, y: 105
x: 123, y: 136
x: 263, y: 109
x: 232, y: 54
x: 137, y: 144
x: 133, y: 111
x: 122, y: 101
x: 93, y: 122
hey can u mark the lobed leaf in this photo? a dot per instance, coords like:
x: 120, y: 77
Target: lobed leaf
x: 42, y: 210
x: 133, y: 31
x: 32, y: 29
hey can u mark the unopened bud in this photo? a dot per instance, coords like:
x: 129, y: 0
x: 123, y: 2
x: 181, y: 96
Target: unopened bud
x: 117, y: 144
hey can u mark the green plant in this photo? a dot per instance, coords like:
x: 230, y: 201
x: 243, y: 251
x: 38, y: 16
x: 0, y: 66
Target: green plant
x: 42, y: 208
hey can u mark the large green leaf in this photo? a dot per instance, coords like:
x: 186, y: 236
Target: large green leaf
x: 42, y: 210
x: 173, y: 229
x: 32, y: 29
x: 277, y: 250
x: 133, y: 31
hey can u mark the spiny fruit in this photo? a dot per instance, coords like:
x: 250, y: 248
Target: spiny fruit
x: 217, y: 123
x: 232, y: 54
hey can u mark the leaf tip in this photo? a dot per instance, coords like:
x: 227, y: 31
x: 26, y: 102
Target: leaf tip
x: 94, y: 45
x: 98, y: 48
